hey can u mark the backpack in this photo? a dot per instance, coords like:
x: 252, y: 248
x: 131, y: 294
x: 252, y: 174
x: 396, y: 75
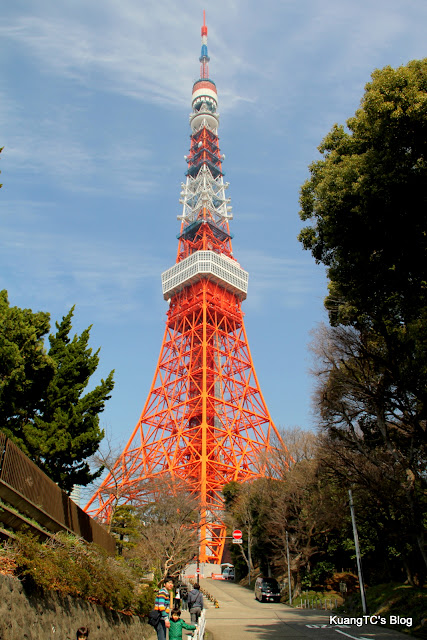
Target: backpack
x: 154, y: 617
x: 195, y: 599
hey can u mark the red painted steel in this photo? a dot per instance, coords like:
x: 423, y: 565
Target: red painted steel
x: 205, y: 421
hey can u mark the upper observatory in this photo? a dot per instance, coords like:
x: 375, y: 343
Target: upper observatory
x: 205, y: 98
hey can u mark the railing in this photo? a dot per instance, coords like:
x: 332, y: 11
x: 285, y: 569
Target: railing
x: 28, y: 489
x: 200, y: 627
x: 317, y: 603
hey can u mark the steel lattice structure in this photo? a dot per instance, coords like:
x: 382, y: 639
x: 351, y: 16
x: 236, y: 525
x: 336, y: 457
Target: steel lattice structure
x: 205, y: 421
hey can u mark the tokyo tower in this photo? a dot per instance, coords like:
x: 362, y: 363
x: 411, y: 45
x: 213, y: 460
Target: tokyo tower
x: 205, y: 421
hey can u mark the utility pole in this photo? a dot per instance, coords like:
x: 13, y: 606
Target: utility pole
x: 289, y: 569
x: 358, y: 558
x: 249, y: 556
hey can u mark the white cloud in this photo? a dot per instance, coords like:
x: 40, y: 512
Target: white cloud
x: 291, y: 281
x: 101, y: 276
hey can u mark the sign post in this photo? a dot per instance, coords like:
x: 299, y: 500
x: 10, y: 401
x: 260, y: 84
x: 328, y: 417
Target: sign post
x: 237, y: 536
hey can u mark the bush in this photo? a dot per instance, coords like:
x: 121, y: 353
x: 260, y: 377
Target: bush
x: 73, y: 567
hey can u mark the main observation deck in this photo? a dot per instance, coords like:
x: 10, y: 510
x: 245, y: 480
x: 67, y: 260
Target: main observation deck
x: 206, y: 264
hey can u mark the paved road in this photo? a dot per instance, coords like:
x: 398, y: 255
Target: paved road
x: 241, y: 617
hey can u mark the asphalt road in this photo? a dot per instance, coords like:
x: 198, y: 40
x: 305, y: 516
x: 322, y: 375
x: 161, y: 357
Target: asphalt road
x: 241, y: 617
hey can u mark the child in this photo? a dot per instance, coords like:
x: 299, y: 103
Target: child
x: 177, y: 625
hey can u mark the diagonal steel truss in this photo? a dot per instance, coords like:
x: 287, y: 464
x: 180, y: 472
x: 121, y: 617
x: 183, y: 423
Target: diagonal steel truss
x: 205, y: 420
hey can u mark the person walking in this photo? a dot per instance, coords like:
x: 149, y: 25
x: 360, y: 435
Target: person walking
x: 195, y: 603
x: 177, y: 625
x: 162, y: 604
x: 177, y: 599
x: 184, y: 597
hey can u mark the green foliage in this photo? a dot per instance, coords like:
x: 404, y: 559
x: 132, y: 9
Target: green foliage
x: 323, y: 570
x: 125, y: 527
x: 43, y: 408
x: 366, y: 200
x: 25, y: 367
x: 393, y: 599
x: 72, y: 567
x: 230, y: 492
x: 67, y: 431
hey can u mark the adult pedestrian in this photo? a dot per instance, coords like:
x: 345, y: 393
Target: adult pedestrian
x: 177, y: 599
x: 82, y: 633
x: 184, y: 597
x: 162, y: 604
x: 195, y: 603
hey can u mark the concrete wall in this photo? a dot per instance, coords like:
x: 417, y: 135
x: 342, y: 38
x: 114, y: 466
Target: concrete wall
x: 25, y: 616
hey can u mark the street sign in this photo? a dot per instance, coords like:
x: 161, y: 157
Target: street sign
x: 237, y: 541
x: 197, y: 571
x: 237, y: 534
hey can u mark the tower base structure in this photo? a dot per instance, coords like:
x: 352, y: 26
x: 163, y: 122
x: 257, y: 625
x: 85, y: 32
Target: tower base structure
x: 205, y: 422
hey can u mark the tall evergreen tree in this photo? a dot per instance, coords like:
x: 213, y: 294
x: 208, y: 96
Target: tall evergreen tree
x: 66, y: 431
x: 25, y: 367
x: 43, y: 407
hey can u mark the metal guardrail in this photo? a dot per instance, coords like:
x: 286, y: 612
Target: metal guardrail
x: 30, y: 490
x: 200, y: 627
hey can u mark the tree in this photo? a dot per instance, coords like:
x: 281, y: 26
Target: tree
x: 168, y: 532
x: 42, y: 406
x: 124, y: 526
x: 375, y: 434
x: 107, y: 458
x: 66, y: 431
x: 385, y: 517
x: 366, y: 200
x: 25, y: 367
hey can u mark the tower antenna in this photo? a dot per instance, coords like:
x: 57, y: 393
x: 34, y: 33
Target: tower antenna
x: 204, y: 58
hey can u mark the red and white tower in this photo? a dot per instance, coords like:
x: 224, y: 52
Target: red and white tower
x: 205, y: 421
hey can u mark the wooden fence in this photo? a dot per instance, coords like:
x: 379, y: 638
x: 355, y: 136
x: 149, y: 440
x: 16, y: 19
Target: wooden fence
x: 27, y: 488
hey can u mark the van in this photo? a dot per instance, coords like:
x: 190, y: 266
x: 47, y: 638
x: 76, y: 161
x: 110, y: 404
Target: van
x: 228, y: 573
x: 267, y: 589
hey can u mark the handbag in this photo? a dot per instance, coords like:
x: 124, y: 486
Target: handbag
x: 154, y: 617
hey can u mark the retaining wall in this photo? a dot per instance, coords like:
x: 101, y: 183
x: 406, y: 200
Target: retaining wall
x: 29, y: 616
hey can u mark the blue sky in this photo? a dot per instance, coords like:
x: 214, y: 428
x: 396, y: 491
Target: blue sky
x: 94, y: 105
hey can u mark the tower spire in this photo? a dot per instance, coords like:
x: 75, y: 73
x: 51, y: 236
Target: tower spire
x: 204, y: 58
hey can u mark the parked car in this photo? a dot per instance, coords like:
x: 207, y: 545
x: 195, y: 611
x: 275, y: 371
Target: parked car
x: 228, y: 573
x: 267, y: 589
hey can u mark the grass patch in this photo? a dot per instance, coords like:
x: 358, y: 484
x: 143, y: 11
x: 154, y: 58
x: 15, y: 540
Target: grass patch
x: 393, y: 599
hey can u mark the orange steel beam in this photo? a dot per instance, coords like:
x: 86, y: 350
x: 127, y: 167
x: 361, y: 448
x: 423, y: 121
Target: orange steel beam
x: 205, y: 421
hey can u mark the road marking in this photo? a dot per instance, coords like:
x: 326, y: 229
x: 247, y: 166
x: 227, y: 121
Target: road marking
x: 349, y: 636
x: 328, y: 626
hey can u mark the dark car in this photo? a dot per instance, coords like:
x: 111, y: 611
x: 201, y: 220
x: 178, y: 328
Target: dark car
x: 267, y: 589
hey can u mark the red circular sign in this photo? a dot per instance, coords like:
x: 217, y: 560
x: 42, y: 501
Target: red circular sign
x: 197, y: 570
x: 237, y: 534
